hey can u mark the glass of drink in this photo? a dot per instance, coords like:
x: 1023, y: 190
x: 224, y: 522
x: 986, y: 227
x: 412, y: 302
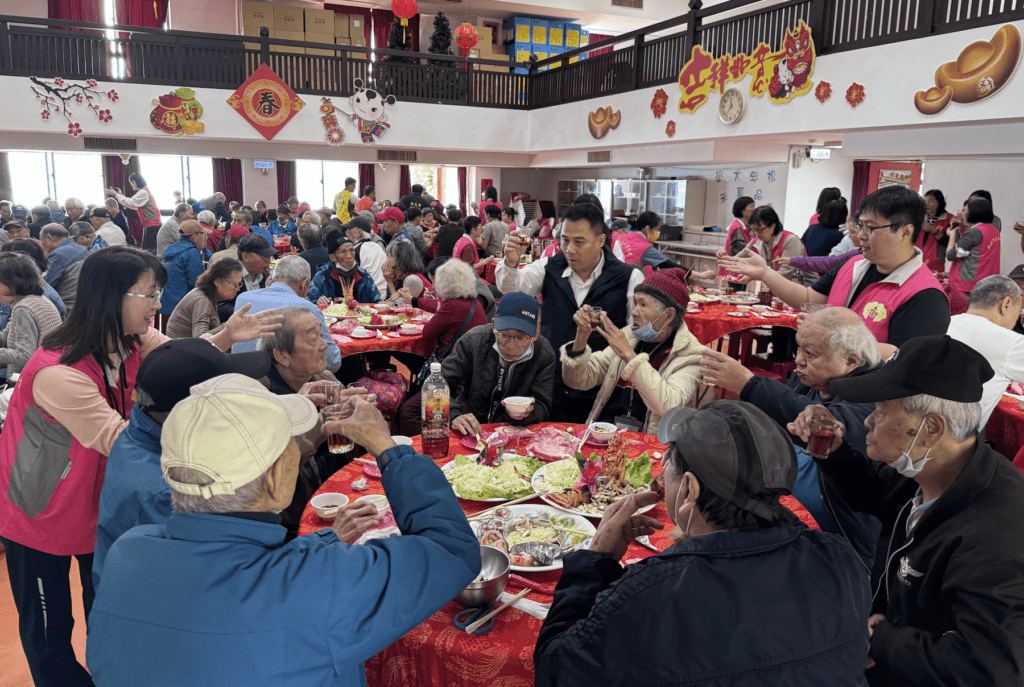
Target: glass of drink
x: 765, y: 296
x: 823, y: 433
x: 337, y: 442
x: 703, y: 380
x: 332, y: 390
x: 595, y: 317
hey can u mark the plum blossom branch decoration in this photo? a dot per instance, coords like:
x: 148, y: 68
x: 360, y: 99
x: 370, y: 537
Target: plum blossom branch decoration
x: 58, y: 96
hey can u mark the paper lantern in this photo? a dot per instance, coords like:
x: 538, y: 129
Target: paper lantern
x: 404, y: 10
x: 466, y: 37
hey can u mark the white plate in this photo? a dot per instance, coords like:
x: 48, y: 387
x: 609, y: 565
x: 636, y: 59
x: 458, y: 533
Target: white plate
x: 330, y: 320
x: 771, y: 314
x: 739, y: 314
x: 539, y: 486
x: 450, y: 464
x: 372, y: 335
x: 526, y: 509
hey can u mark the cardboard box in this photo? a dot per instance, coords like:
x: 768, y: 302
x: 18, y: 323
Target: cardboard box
x: 556, y: 34
x: 584, y: 42
x: 540, y: 32
x: 320, y: 22
x: 518, y: 30
x: 288, y: 19
x: 520, y: 52
x: 358, y: 41
x: 289, y: 36
x: 542, y: 54
x: 257, y: 14
x: 319, y: 38
x: 254, y: 31
x: 572, y: 36
x: 474, y: 53
x: 554, y: 52
x: 356, y: 27
x: 341, y: 25
x: 486, y: 36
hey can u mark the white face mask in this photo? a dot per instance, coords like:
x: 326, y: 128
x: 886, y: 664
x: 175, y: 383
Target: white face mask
x: 904, y: 465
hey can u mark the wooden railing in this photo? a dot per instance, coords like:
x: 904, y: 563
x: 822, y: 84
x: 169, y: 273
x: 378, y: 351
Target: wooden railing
x: 76, y: 50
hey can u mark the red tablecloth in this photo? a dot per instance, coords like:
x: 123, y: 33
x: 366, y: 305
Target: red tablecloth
x: 351, y: 346
x: 1005, y: 428
x: 283, y: 246
x: 713, y: 322
x: 435, y: 652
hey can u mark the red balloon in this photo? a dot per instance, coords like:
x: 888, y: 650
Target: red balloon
x: 404, y: 9
x: 466, y: 36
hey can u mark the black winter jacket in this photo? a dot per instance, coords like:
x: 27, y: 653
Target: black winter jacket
x: 952, y: 592
x: 472, y: 371
x: 771, y: 607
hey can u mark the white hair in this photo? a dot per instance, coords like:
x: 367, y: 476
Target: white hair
x: 220, y: 196
x: 244, y: 498
x: 849, y: 336
x: 990, y: 292
x: 963, y: 419
x: 207, y: 217
x: 109, y: 202
x: 311, y: 217
x: 455, y: 279
x: 291, y: 269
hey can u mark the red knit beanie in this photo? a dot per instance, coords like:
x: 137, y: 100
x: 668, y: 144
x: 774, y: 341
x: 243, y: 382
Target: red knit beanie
x: 671, y: 283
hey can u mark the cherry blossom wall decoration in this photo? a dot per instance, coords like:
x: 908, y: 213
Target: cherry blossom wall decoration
x: 671, y: 129
x: 823, y: 92
x: 855, y: 94
x: 58, y: 96
x: 660, y: 103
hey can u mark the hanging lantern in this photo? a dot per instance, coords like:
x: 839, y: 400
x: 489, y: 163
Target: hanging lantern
x: 466, y: 37
x: 404, y: 10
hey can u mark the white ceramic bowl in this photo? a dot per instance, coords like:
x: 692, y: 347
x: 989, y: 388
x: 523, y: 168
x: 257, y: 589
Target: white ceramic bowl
x: 601, y: 432
x: 743, y: 308
x: 401, y: 441
x: 361, y: 331
x: 758, y: 308
x: 327, y: 505
x: 408, y: 328
x: 517, y: 405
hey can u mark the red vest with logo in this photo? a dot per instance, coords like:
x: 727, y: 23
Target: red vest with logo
x: 877, y: 303
x: 780, y: 246
x: 929, y: 245
x: 988, y: 260
x: 633, y: 244
x: 733, y: 228
x: 150, y: 212
x: 50, y: 483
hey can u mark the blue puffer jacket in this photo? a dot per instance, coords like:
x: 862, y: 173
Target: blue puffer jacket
x: 222, y: 600
x: 184, y: 263
x: 770, y: 607
x: 324, y: 284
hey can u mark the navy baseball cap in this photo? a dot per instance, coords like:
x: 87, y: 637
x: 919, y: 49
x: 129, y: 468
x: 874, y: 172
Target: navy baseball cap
x: 519, y: 311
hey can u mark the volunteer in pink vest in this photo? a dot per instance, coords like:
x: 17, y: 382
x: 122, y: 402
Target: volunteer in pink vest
x: 145, y: 204
x: 737, y: 238
x: 771, y: 241
x: 889, y: 286
x: 975, y: 254
x: 71, y: 402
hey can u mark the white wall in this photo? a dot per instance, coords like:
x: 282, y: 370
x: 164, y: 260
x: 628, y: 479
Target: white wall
x: 1002, y: 178
x: 216, y: 16
x: 804, y: 184
x: 259, y: 186
x: 25, y: 8
x: 387, y: 182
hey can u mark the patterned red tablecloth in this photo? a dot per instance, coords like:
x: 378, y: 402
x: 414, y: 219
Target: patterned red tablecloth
x: 1005, y: 428
x: 713, y: 322
x: 283, y: 245
x: 387, y: 341
x: 435, y: 652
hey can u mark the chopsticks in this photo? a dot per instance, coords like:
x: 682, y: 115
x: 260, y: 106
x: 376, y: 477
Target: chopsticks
x: 368, y: 461
x: 528, y: 584
x: 584, y: 439
x: 490, y: 511
x: 571, y: 530
x: 473, y: 627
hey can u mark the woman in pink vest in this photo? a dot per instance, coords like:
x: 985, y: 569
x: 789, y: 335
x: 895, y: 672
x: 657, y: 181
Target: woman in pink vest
x: 465, y: 248
x: 975, y: 254
x: 933, y: 240
x: 772, y: 241
x: 144, y: 203
x: 73, y: 399
x: 738, y: 236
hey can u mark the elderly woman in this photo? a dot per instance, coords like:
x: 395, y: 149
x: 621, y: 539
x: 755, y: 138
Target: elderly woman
x: 33, y: 316
x: 406, y: 265
x: 184, y: 263
x: 216, y: 232
x: 196, y: 313
x: 648, y: 367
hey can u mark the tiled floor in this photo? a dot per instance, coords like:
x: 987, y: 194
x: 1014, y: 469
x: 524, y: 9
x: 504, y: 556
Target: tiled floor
x: 13, y: 667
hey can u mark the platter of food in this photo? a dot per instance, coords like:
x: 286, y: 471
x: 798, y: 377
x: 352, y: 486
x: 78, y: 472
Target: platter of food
x: 535, y: 537
x: 602, y: 482
x: 509, y: 479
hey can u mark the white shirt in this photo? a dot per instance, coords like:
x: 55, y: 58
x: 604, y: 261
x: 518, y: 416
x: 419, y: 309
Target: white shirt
x: 372, y: 259
x: 112, y: 234
x: 1002, y: 348
x: 530, y: 280
x: 252, y: 283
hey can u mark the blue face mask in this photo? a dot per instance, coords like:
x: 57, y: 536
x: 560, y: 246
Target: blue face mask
x: 527, y: 354
x: 647, y: 333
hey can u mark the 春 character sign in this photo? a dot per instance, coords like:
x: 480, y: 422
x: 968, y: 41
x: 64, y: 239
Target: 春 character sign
x: 266, y: 102
x: 367, y: 113
x: 782, y: 75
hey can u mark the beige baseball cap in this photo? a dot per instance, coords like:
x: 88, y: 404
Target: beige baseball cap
x: 232, y: 429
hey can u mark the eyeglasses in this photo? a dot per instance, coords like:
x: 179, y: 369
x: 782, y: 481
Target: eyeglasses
x: 238, y: 286
x: 517, y: 338
x: 868, y: 229
x: 155, y: 297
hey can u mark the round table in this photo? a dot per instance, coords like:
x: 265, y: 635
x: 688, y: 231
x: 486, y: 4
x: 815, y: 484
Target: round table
x: 713, y: 322
x: 283, y: 245
x: 385, y: 341
x: 437, y: 653
x: 1005, y: 429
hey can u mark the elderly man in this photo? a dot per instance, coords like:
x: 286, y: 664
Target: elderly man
x: 74, y: 209
x: 832, y: 344
x: 231, y: 589
x: 413, y: 225
x: 283, y: 225
x: 393, y: 222
x: 289, y: 288
x: 40, y: 218
x: 119, y: 219
x: 987, y: 327
x: 584, y: 273
x: 230, y: 238
x: 889, y: 286
x: 168, y: 234
x: 107, y: 230
x: 368, y: 201
x: 51, y: 236
x: 342, y: 277
x: 254, y: 253
x: 17, y: 229
x: 369, y: 247
x: 325, y: 214
x: 491, y: 363
x: 215, y: 232
x: 747, y: 595
x: 134, y: 491
x: 62, y: 251
x: 313, y: 249
x: 243, y: 218
x: 950, y: 609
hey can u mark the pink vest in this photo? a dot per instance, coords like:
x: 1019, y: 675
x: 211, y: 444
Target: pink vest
x: 878, y: 302
x: 428, y: 288
x: 150, y: 212
x: 780, y: 246
x: 633, y: 245
x: 460, y: 246
x: 737, y: 225
x: 988, y: 260
x: 51, y: 483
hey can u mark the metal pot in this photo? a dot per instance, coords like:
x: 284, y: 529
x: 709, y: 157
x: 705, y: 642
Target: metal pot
x: 495, y: 570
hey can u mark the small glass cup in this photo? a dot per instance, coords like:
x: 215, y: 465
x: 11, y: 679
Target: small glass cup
x: 765, y: 297
x: 703, y: 380
x: 595, y: 317
x: 337, y: 442
x: 823, y: 432
x: 332, y: 390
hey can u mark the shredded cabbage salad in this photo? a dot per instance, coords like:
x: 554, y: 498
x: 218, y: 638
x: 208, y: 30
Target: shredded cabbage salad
x: 536, y: 534
x: 477, y: 482
x: 562, y: 474
x: 336, y: 310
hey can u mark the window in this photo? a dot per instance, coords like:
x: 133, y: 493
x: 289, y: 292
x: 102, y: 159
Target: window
x: 165, y: 174
x: 35, y: 176
x: 318, y: 181
x: 450, y: 188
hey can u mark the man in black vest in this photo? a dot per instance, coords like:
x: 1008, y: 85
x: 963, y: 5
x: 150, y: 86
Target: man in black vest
x: 584, y: 273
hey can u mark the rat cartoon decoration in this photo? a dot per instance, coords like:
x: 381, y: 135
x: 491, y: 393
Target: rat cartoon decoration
x: 367, y: 113
x: 795, y: 67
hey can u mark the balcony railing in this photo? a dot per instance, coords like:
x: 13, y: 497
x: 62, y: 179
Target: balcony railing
x: 76, y: 50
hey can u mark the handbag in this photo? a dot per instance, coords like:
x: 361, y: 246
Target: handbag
x: 436, y: 357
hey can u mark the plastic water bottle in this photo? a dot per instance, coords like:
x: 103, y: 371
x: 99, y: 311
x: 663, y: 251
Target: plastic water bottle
x: 436, y: 402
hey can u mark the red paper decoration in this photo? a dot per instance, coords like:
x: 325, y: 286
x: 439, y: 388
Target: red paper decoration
x: 670, y: 129
x: 823, y: 92
x: 855, y: 94
x: 466, y: 37
x: 404, y: 10
x: 660, y: 103
x: 266, y: 102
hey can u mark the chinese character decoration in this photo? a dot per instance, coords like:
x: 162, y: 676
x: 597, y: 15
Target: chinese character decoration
x: 660, y: 103
x: 671, y: 129
x: 335, y: 135
x: 58, y: 96
x: 855, y: 94
x: 782, y: 75
x: 367, y: 114
x: 721, y: 198
x: 823, y: 92
x: 757, y: 195
x: 736, y: 175
x: 177, y: 113
x: 718, y: 176
x: 739, y: 191
x: 266, y: 102
x: 753, y: 175
x: 404, y: 10
x: 771, y: 176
